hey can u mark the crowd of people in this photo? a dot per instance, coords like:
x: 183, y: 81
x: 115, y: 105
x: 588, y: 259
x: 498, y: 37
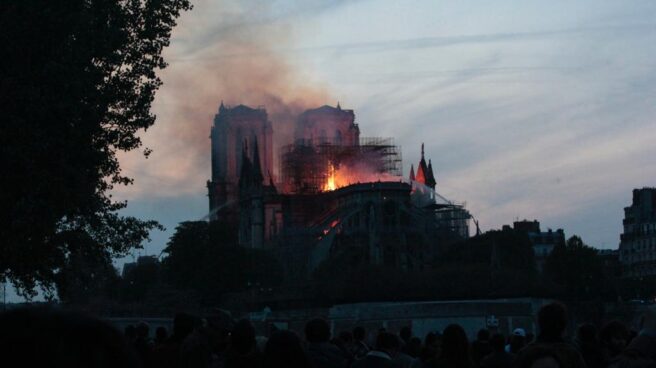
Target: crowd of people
x: 56, y: 338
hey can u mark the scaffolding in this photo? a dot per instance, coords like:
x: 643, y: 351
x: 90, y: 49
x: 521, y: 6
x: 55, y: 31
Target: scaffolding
x: 307, y: 166
x: 453, y: 218
x: 388, y: 153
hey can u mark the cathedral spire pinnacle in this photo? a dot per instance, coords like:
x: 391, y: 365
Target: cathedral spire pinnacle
x: 412, y: 172
x: 430, y: 177
x: 257, y: 168
x: 246, y: 167
x: 422, y: 169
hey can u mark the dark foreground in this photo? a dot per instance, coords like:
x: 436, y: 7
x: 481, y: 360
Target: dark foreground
x: 53, y: 338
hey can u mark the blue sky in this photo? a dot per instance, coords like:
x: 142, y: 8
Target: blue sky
x: 529, y: 109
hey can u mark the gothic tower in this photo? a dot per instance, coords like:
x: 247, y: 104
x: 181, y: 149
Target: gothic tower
x: 233, y: 128
x: 327, y: 124
x: 251, y: 199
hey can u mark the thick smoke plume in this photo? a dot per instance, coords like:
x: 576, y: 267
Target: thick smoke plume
x: 219, y: 52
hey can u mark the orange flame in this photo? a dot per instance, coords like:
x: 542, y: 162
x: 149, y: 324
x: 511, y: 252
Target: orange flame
x: 338, y: 178
x: 330, y: 183
x: 344, y: 176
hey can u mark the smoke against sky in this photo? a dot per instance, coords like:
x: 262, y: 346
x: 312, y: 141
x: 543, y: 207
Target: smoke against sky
x: 528, y: 110
x: 219, y: 53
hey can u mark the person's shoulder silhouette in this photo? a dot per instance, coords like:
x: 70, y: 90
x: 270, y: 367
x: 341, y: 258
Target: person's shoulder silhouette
x: 45, y: 337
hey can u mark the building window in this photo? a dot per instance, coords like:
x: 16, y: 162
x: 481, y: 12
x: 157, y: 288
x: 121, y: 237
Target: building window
x: 338, y: 138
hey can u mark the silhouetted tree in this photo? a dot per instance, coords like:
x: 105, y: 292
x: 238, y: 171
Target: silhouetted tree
x: 495, y: 264
x: 205, y: 257
x: 87, y: 274
x: 501, y: 249
x: 185, y: 254
x: 77, y: 80
x: 576, y: 268
x: 138, y: 281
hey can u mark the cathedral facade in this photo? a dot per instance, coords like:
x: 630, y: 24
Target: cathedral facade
x: 337, y: 192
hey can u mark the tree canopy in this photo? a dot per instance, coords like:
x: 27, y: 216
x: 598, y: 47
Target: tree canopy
x: 576, y: 268
x: 77, y: 79
x: 495, y: 264
x: 87, y: 274
x: 204, y: 257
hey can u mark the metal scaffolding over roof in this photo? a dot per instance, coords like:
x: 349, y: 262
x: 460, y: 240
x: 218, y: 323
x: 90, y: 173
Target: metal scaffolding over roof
x: 305, y: 166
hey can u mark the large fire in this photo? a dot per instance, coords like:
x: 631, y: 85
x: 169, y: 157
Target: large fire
x: 342, y: 176
x: 330, y: 183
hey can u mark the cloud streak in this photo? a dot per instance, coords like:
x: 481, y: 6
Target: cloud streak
x: 425, y: 42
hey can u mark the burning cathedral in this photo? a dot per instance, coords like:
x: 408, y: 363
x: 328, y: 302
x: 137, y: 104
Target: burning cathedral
x: 329, y: 190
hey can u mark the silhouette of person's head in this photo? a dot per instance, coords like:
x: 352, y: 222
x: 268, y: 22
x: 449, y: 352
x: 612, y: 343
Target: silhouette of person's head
x: 359, y: 333
x: 405, y: 334
x: 388, y: 343
x: 242, y: 338
x: 130, y: 332
x: 37, y: 337
x: 498, y: 342
x: 161, y: 334
x: 142, y: 330
x: 183, y: 325
x: 317, y: 330
x: 455, y: 346
x: 431, y: 346
x: 431, y: 339
x: 284, y: 349
x: 413, y: 347
x: 346, y: 336
x: 340, y: 342
x: 587, y: 332
x: 483, y: 334
x: 614, y: 336
x: 552, y: 320
x: 517, y: 340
